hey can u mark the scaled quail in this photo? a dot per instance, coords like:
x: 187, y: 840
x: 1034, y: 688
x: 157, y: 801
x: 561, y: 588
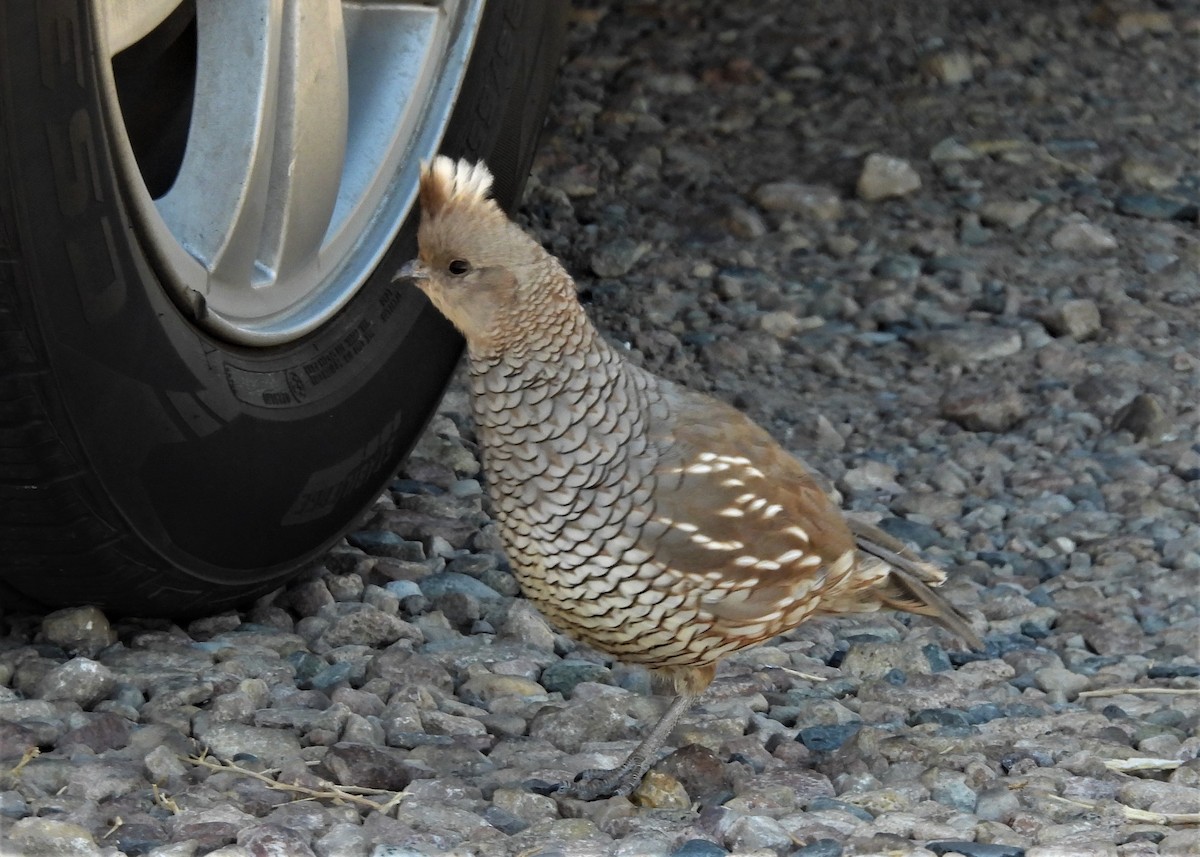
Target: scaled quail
x: 648, y: 521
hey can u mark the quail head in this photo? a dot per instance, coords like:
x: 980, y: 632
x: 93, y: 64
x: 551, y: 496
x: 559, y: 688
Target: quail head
x: 650, y: 522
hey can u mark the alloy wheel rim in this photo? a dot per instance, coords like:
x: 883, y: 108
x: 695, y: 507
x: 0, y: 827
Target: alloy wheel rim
x: 308, y: 122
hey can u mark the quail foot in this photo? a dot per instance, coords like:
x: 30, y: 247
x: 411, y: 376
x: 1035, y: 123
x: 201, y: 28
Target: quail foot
x: 650, y: 522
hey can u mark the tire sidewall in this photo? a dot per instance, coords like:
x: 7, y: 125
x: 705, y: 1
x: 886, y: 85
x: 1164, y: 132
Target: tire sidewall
x: 231, y: 465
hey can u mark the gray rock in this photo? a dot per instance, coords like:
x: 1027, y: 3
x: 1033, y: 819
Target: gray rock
x: 525, y: 624
x: 444, y: 583
x: 163, y: 765
x: 870, y: 476
x: 100, y: 732
x: 369, y: 627
x: 950, y: 150
x: 815, y: 202
x: 886, y: 177
x: 699, y: 770
x: 754, y: 832
x: 79, y: 630
x: 1143, y: 417
x: 47, y: 837
x: 699, y: 848
x: 1154, y: 206
x: 1060, y: 680
x: 978, y: 406
x: 563, y: 676
x: 1078, y: 319
x: 975, y: 849
x: 997, y: 803
x: 484, y: 688
x: 344, y: 839
x: 570, y: 727
x: 271, y: 746
x: 969, y: 343
x: 275, y: 839
x: 948, y: 67
x: 530, y: 808
x: 617, y: 257
x: 385, y: 543
x: 1083, y: 238
x: 1011, y: 214
x: 368, y: 766
x: 80, y: 680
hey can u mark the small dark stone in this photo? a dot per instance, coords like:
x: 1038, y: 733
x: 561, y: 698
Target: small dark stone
x: 1038, y: 757
x: 541, y: 787
x: 996, y: 559
x: 1174, y: 671
x: 976, y: 849
x: 1152, y: 835
x: 367, y: 766
x: 307, y: 665
x: 1114, y: 712
x: 936, y: 656
x: 967, y: 656
x: 1039, y: 596
x: 336, y: 675
x: 1155, y: 207
x: 895, y: 677
x: 827, y: 738
x: 443, y: 583
x: 939, y: 716
x: 12, y: 805
x: 902, y: 267
x: 984, y: 712
x: 1034, y: 631
x: 699, y: 848
x: 819, y: 803
x: 1091, y: 666
x: 412, y: 486
x: 983, y: 407
x: 1154, y: 623
x: 136, y: 838
x: 921, y: 535
x: 835, y: 659
x: 1024, y: 681
x: 563, y: 676
x: 386, y: 543
x: 505, y: 821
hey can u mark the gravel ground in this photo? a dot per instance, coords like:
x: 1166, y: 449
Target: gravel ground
x: 948, y: 252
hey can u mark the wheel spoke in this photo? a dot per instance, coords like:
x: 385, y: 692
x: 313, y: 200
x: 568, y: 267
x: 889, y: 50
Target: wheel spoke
x: 128, y: 21
x: 310, y: 136
x: 264, y: 155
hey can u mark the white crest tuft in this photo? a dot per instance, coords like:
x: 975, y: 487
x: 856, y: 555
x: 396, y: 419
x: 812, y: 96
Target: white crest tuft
x: 445, y: 181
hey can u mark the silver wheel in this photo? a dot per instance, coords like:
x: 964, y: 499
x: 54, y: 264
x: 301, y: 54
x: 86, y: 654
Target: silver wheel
x: 306, y: 127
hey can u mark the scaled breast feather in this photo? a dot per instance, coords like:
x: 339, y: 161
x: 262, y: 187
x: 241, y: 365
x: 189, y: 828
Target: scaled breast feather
x: 447, y: 182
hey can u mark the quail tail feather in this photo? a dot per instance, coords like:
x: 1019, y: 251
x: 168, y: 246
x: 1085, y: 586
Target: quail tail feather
x: 908, y: 585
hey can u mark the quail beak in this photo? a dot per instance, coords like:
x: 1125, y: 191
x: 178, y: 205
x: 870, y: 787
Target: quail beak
x: 412, y: 270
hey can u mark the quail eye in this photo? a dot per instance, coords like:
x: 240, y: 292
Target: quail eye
x: 458, y: 267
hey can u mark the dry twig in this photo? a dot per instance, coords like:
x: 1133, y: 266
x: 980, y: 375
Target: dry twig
x: 165, y: 800
x: 329, y: 791
x: 28, y: 756
x: 1132, y: 813
x: 1118, y: 691
x: 1139, y: 763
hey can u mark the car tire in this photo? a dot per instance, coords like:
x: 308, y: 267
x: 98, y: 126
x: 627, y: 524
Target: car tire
x: 147, y: 464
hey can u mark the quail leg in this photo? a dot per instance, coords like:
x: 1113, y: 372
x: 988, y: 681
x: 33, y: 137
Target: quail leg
x: 620, y: 781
